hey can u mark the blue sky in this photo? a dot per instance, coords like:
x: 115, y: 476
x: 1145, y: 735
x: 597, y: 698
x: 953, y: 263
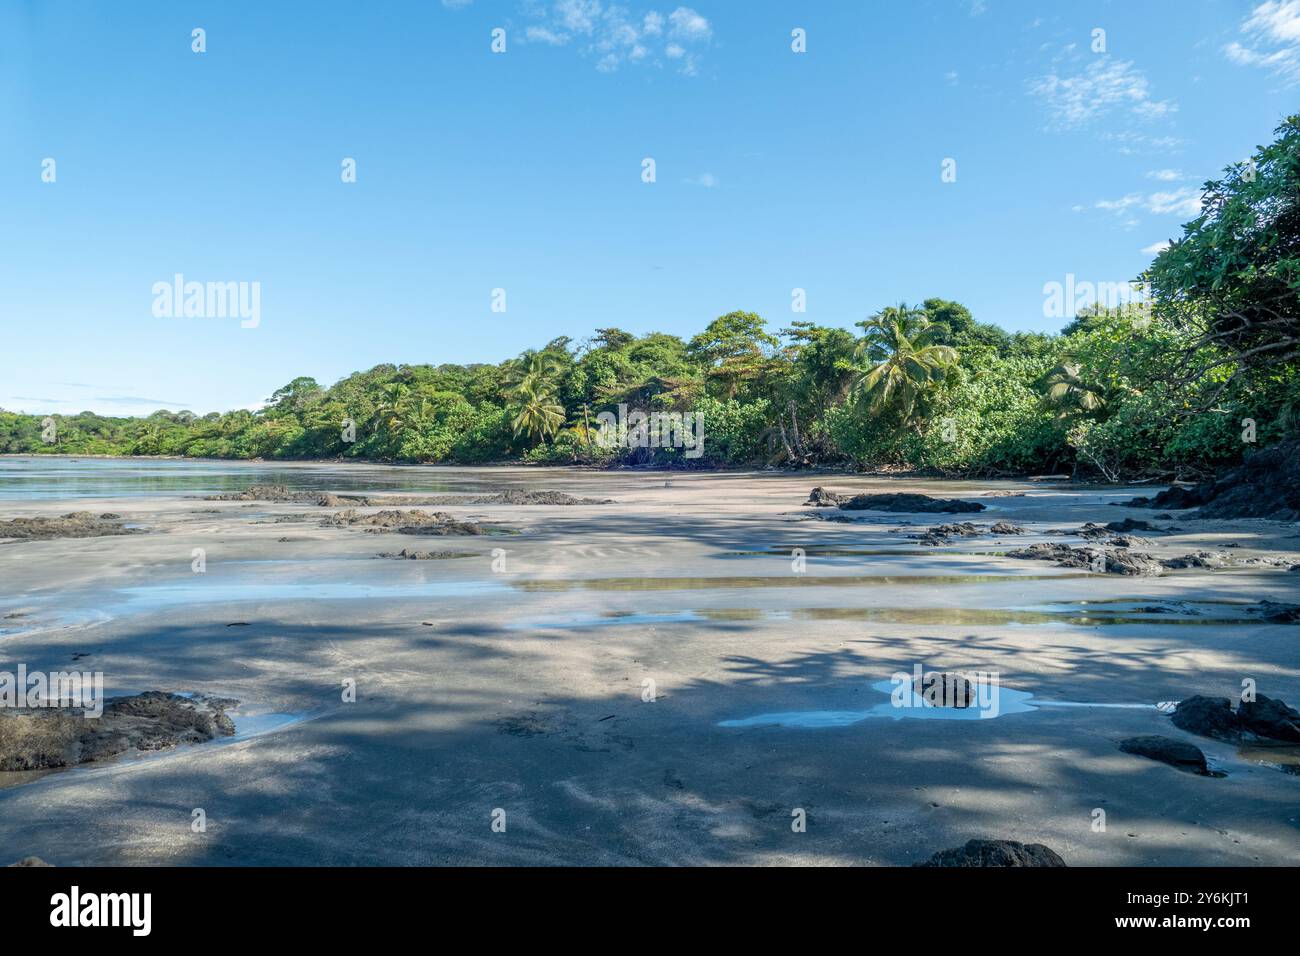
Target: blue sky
x: 522, y: 171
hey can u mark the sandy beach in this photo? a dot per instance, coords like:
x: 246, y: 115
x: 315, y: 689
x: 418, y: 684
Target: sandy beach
x: 515, y: 677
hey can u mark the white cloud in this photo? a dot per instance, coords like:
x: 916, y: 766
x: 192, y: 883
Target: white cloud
x: 1165, y: 175
x: 1102, y: 88
x: 688, y: 25
x: 1184, y: 201
x: 707, y: 180
x: 614, y: 36
x: 1156, y: 248
x: 1119, y: 205
x: 545, y: 35
x: 1273, y: 31
x: 1181, y: 202
x: 456, y: 4
x: 578, y: 16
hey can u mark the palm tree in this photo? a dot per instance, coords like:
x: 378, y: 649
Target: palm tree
x: 391, y: 411
x: 538, y: 371
x: 1069, y: 393
x: 539, y: 414
x: 905, y: 360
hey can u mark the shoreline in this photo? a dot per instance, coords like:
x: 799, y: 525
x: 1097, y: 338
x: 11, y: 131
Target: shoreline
x: 519, y: 685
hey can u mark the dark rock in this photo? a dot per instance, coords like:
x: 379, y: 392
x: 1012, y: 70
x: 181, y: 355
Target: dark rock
x: 1116, y: 561
x: 1093, y: 530
x: 910, y: 503
x: 996, y: 853
x: 1265, y: 485
x: 31, y: 861
x: 1006, y: 527
x: 939, y: 689
x: 1199, y: 559
x: 1176, y: 497
x: 940, y: 534
x: 1279, y: 613
x: 1267, y: 717
x: 1129, y: 524
x: 1177, y: 753
x: 1207, y: 717
x: 821, y: 498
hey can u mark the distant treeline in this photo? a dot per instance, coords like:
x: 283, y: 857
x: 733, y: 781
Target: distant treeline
x: 1185, y: 383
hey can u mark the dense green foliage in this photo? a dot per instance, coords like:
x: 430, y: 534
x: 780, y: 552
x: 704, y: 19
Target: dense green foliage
x: 1185, y: 383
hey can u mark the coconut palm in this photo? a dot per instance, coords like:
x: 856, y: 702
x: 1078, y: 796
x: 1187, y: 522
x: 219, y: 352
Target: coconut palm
x: 905, y: 360
x: 391, y: 412
x: 538, y: 371
x: 538, y: 415
x: 1066, y: 390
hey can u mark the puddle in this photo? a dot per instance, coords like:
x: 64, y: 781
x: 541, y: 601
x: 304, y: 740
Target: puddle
x: 787, y: 581
x: 929, y: 617
x: 1007, y: 701
x: 217, y: 592
x: 1284, y: 757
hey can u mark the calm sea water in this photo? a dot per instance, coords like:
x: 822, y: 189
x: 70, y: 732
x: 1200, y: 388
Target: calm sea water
x: 41, y: 477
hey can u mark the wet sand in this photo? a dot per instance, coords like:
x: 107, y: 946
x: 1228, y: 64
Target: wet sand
x: 522, y: 688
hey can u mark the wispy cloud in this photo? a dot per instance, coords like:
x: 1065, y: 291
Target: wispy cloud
x: 707, y: 180
x: 1165, y: 175
x: 1103, y: 88
x: 615, y: 36
x: 1184, y: 201
x: 1156, y: 247
x: 1273, y: 40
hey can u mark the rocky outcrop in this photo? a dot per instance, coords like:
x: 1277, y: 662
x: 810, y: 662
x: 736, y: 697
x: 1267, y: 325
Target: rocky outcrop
x: 411, y: 554
x: 75, y: 524
x: 910, y: 504
x: 1270, y: 718
x: 1177, y: 753
x: 1265, y: 718
x: 996, y: 853
x: 1265, y: 485
x: 1111, y: 561
x: 821, y: 498
x: 42, y: 738
x: 403, y: 522
x: 1207, y: 717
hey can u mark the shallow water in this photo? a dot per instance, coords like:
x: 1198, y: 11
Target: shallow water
x: 788, y: 581
x: 1006, y: 701
x: 1076, y: 616
x: 40, y: 478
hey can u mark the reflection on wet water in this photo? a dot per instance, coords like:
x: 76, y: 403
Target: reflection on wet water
x: 37, y: 478
x: 1005, y: 701
x: 1284, y: 757
x: 786, y: 581
x: 1076, y: 616
x: 142, y: 598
